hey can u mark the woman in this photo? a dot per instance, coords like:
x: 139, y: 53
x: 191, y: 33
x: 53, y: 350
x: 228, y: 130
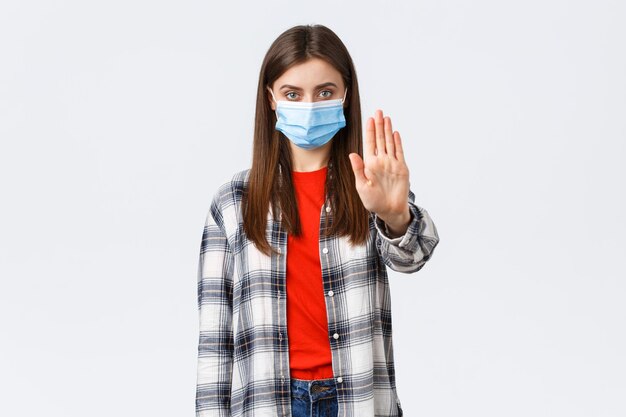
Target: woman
x: 292, y: 283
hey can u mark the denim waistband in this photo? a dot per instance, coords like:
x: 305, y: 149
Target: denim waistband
x: 314, y: 389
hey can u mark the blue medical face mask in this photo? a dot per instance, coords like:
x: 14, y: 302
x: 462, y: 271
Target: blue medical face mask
x: 310, y: 125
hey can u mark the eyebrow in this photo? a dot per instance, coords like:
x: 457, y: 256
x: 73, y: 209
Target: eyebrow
x: 293, y: 87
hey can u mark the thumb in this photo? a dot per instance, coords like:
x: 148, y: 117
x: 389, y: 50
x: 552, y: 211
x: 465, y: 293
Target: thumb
x: 358, y: 168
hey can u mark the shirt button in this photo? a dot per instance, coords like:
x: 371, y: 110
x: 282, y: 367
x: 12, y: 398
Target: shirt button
x: 325, y: 250
x: 279, y: 250
x: 327, y: 209
x: 339, y: 379
x: 331, y: 293
x: 336, y: 336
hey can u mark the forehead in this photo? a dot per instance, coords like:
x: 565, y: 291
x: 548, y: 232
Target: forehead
x: 309, y: 74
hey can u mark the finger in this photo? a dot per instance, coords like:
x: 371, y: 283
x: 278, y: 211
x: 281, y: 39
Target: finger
x: 358, y: 167
x: 389, y: 137
x: 398, y: 145
x: 370, y: 138
x: 380, y: 133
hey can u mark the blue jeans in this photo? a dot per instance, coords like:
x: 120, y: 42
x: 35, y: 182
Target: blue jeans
x: 313, y: 398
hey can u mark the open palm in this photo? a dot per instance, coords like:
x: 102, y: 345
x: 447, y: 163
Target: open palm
x: 382, y: 176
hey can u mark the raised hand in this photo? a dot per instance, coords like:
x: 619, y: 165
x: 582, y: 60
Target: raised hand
x: 382, y: 176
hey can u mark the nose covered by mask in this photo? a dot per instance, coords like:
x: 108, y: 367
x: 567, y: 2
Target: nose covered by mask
x: 309, y: 125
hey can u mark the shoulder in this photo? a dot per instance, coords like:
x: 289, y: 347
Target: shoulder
x: 228, y: 196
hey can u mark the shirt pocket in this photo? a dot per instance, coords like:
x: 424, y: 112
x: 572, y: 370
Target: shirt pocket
x: 355, y: 252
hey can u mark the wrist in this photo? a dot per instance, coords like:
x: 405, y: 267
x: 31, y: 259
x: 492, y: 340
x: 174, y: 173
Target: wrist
x: 397, y: 225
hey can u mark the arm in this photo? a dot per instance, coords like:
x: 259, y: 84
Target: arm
x: 215, y: 293
x: 408, y: 253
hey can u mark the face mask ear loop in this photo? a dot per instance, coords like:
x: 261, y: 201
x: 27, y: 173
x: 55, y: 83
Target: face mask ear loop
x: 275, y: 111
x: 345, y: 95
x: 272, y: 93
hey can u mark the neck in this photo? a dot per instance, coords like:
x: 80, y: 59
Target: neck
x: 305, y: 160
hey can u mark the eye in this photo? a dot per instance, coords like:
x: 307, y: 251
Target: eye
x: 290, y: 92
x: 327, y: 91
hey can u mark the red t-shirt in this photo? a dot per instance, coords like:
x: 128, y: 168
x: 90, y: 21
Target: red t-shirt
x: 307, y: 324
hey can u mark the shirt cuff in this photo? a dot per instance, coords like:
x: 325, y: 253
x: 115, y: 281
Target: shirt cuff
x: 409, y: 238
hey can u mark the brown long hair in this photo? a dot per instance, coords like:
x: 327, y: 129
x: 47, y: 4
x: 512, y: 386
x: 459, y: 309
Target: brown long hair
x: 271, y: 157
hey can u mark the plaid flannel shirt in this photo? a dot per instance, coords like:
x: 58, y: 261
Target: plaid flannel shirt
x: 243, y: 362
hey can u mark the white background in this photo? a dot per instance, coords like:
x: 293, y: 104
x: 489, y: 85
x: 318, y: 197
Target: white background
x: 119, y: 119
